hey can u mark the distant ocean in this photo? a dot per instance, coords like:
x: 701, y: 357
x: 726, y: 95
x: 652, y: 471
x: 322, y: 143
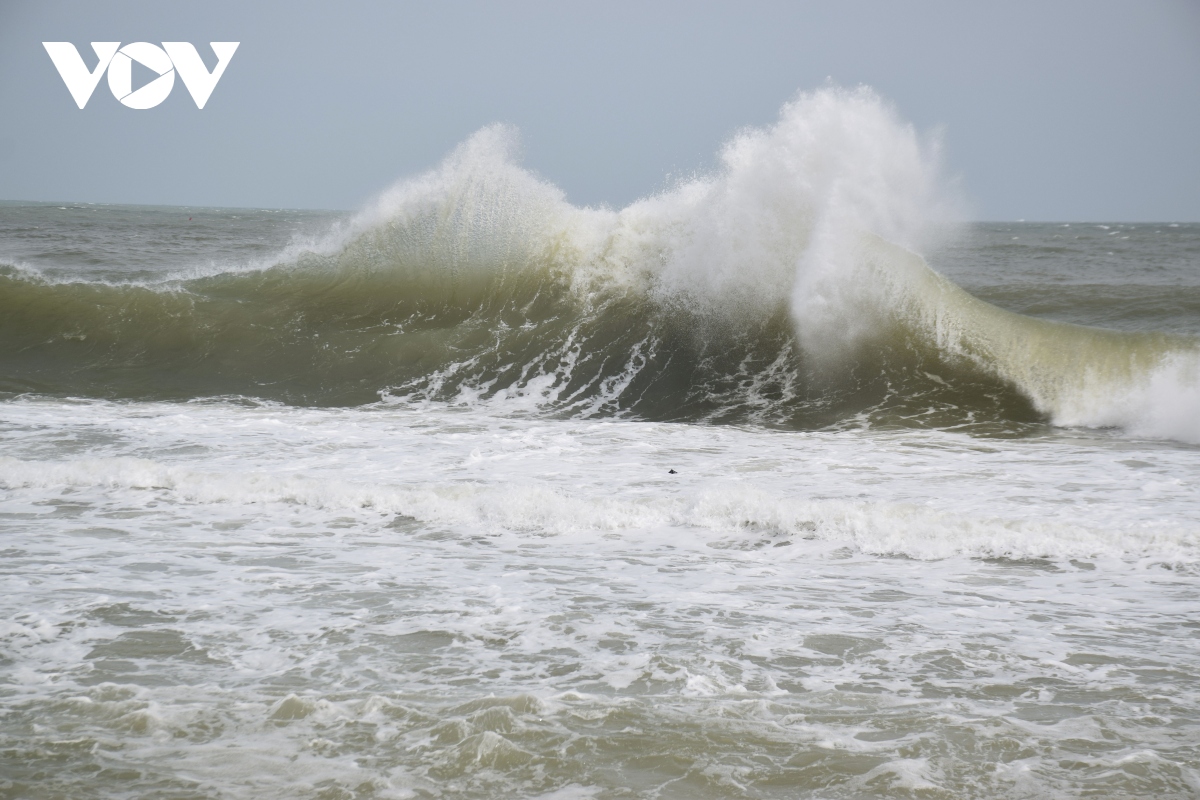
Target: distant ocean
x: 766, y: 486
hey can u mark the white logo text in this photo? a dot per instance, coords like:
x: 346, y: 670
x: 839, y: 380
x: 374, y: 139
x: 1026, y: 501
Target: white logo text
x: 165, y: 61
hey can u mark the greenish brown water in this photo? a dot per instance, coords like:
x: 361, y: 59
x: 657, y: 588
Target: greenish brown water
x: 475, y: 494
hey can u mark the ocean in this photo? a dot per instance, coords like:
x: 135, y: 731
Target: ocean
x: 774, y: 484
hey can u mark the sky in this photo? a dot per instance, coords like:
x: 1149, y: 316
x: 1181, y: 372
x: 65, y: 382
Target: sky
x: 1053, y: 110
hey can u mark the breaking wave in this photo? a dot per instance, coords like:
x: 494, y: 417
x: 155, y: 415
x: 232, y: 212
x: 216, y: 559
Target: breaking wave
x: 784, y: 289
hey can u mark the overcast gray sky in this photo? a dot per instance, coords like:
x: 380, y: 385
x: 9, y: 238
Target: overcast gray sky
x: 1049, y: 110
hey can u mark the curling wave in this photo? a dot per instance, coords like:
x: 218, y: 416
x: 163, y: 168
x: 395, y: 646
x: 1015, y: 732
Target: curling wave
x: 782, y: 290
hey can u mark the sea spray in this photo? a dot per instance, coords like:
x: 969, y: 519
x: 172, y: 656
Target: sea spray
x: 784, y: 289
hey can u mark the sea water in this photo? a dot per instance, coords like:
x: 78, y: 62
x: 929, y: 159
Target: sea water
x: 765, y: 486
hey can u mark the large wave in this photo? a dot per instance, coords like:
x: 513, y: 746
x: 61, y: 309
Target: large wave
x: 783, y: 289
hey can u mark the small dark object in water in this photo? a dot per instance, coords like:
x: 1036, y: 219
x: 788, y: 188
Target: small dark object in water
x: 672, y: 472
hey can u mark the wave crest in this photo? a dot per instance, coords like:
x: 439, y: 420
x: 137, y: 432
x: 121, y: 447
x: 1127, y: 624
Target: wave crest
x: 783, y: 289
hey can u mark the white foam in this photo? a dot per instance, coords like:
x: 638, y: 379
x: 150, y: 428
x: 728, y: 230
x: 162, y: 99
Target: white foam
x: 1163, y: 403
x: 578, y: 478
x: 255, y: 600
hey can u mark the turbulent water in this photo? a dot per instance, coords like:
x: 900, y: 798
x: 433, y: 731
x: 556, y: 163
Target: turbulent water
x: 774, y: 484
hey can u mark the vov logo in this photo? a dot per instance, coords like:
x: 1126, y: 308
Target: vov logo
x: 172, y: 57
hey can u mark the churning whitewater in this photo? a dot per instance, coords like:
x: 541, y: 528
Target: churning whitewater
x: 773, y: 485
x: 784, y: 289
